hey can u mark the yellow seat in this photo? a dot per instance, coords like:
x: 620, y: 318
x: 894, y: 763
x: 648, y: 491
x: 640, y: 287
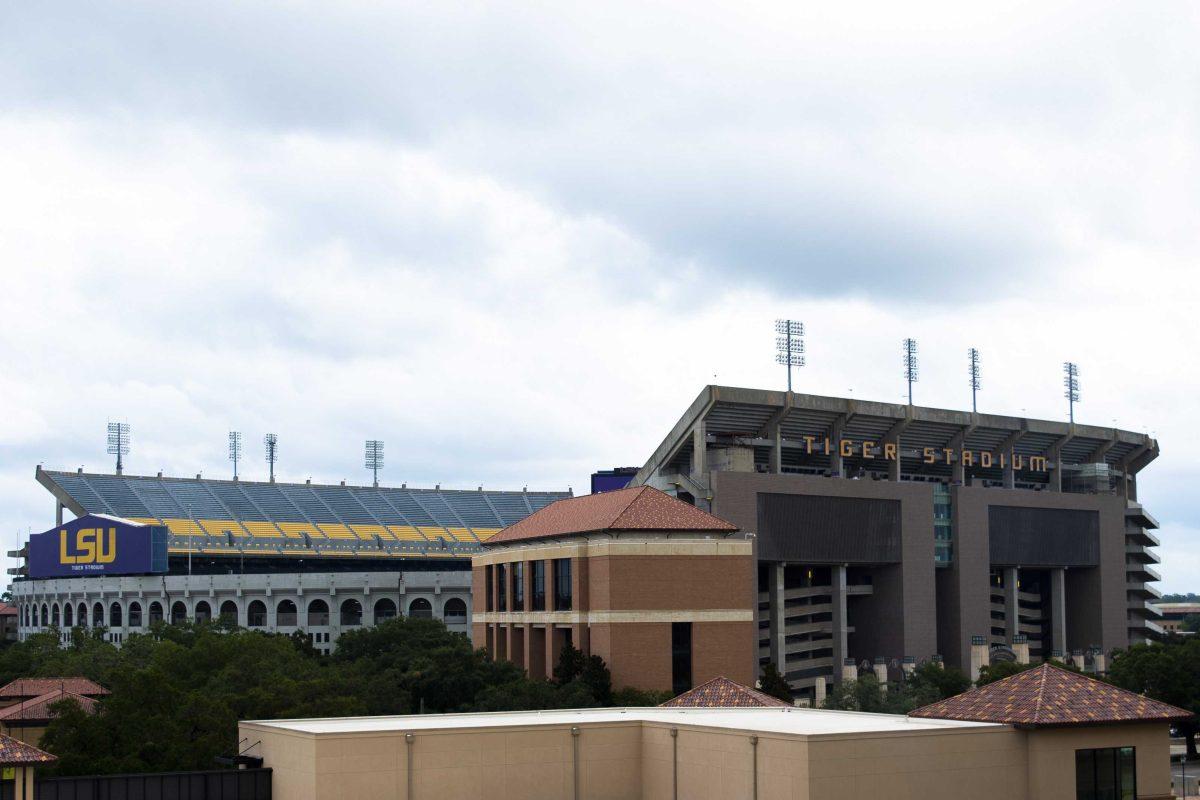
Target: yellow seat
x: 296, y: 530
x: 217, y: 527
x: 263, y: 530
x: 486, y: 533
x: 336, y: 531
x: 184, y: 527
x: 369, y: 532
x: 405, y: 533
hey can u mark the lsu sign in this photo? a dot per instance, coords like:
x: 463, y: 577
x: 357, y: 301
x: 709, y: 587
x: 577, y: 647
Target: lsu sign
x: 96, y: 544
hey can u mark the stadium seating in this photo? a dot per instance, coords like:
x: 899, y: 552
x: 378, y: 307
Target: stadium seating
x: 224, y: 516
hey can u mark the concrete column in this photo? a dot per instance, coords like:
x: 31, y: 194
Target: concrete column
x: 699, y: 450
x: 1058, y: 610
x: 1077, y: 659
x: 835, y: 451
x: 980, y: 656
x: 909, y: 666
x: 849, y: 670
x: 1010, y: 475
x: 1020, y: 645
x: 776, y: 435
x: 58, y: 513
x: 958, y: 469
x: 1099, y: 661
x: 841, y: 637
x: 1012, y: 615
x: 777, y: 610
x: 527, y: 653
x: 894, y: 466
x: 881, y: 671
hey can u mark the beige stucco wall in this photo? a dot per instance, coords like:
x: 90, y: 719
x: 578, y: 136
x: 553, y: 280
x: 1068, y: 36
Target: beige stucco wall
x: 1052, y: 757
x: 29, y: 734
x: 717, y: 764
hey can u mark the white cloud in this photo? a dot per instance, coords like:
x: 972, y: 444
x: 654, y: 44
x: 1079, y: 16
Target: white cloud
x: 515, y: 243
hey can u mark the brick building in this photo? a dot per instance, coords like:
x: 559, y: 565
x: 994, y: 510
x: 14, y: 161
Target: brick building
x: 661, y: 590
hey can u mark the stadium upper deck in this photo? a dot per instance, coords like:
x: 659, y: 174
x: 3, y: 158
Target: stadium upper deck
x: 302, y: 519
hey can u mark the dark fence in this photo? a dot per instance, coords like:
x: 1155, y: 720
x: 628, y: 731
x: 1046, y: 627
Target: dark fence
x: 225, y: 784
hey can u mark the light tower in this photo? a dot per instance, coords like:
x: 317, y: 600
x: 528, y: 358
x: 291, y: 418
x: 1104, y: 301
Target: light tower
x: 1071, y: 386
x: 911, y: 365
x: 789, y: 345
x: 272, y: 444
x: 235, y: 450
x: 374, y: 459
x: 118, y: 442
x: 973, y: 356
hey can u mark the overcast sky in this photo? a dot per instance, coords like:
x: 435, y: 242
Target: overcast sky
x: 514, y: 242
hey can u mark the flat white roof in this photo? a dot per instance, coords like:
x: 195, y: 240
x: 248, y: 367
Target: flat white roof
x: 797, y: 721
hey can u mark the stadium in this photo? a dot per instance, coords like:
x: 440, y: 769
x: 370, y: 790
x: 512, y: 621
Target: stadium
x: 279, y: 557
x: 888, y: 534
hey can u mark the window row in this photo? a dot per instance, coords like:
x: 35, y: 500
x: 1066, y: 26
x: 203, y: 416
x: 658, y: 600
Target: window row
x: 505, y: 585
x: 350, y: 613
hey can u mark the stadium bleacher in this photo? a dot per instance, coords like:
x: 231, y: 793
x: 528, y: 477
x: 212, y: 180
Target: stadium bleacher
x: 251, y: 517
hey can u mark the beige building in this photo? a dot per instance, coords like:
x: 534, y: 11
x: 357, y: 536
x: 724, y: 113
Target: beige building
x: 767, y: 753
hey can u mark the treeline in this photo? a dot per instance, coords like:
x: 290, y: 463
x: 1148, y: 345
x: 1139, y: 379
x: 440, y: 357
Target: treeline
x: 178, y: 692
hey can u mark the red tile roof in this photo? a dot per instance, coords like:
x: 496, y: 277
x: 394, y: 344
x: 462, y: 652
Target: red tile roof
x: 36, y: 687
x: 1049, y: 695
x: 7, y: 610
x: 37, y: 709
x: 721, y: 692
x: 15, y: 753
x: 638, y: 508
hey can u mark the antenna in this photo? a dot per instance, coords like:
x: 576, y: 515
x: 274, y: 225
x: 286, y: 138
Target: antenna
x: 912, y: 371
x: 272, y: 443
x: 235, y: 450
x: 374, y: 459
x: 789, y: 345
x: 1071, y: 386
x: 973, y: 355
x: 118, y: 441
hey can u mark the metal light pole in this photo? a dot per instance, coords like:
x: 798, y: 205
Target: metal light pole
x: 374, y: 459
x: 271, y: 441
x: 911, y: 365
x: 118, y: 442
x: 235, y: 450
x: 973, y: 356
x: 789, y: 346
x: 1071, y: 384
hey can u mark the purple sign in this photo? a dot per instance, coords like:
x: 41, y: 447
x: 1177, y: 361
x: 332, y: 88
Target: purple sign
x: 97, y: 544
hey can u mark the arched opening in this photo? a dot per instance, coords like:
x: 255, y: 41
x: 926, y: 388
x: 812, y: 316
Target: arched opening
x: 68, y: 616
x: 385, y: 609
x: 45, y: 615
x: 256, y: 614
x: 455, y: 610
x: 135, y: 614
x: 98, y: 615
x: 285, y: 614
x: 35, y: 616
x: 54, y: 615
x: 25, y: 614
x: 178, y: 613
x: 203, y: 611
x: 83, y: 615
x: 351, y: 613
x: 420, y: 608
x: 229, y: 612
x: 318, y: 613
x: 156, y: 612
x: 114, y: 615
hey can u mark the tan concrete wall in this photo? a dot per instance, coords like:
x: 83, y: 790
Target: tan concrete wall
x: 29, y: 734
x: 719, y: 765
x: 1052, y: 757
x: 291, y: 757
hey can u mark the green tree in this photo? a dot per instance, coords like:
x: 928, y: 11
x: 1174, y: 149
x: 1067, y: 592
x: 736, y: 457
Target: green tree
x: 774, y: 684
x: 570, y: 665
x: 1191, y: 623
x: 1168, y: 671
x: 930, y: 683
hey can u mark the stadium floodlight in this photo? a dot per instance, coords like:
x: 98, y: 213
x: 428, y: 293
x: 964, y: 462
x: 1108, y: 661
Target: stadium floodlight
x: 1071, y: 386
x: 118, y: 442
x: 235, y: 450
x: 789, y: 345
x: 374, y: 458
x: 973, y: 356
x: 272, y: 444
x: 912, y: 371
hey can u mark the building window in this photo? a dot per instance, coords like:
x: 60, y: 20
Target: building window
x: 681, y: 657
x: 501, y: 593
x: 518, y: 586
x: 1107, y: 773
x: 135, y: 615
x: 420, y: 609
x: 562, y: 584
x: 256, y: 614
x: 455, y: 611
x: 488, y: 577
x: 539, y: 586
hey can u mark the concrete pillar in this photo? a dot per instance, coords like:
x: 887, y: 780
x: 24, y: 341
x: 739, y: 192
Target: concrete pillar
x: 894, y: 466
x: 777, y: 609
x: 58, y: 513
x: 1058, y: 610
x: 1020, y: 645
x: 1099, y: 662
x: 820, y: 691
x: 936, y: 658
x: 1012, y: 615
x: 699, y: 450
x: 841, y: 637
x: 909, y: 666
x: 835, y: 451
x: 776, y: 458
x: 881, y: 672
x: 849, y: 670
x: 1010, y: 475
x: 958, y: 469
x: 1077, y: 660
x: 980, y: 656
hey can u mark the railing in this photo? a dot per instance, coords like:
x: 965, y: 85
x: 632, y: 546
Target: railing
x: 225, y: 784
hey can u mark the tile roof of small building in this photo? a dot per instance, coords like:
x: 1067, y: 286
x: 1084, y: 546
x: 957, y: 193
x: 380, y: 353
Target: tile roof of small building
x: 37, y: 709
x: 638, y: 508
x: 15, y: 753
x: 720, y: 692
x: 36, y: 687
x: 1049, y: 696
